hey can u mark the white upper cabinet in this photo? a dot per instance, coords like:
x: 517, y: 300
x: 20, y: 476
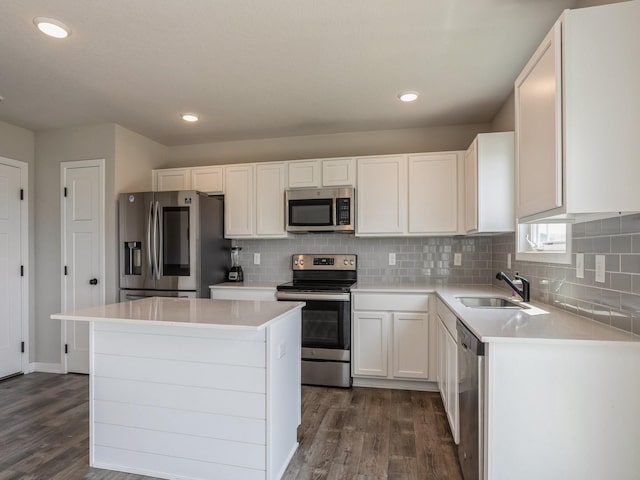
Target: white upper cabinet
x: 417, y: 194
x: 577, y: 111
x: 239, y: 201
x: 381, y: 195
x: 170, y: 179
x: 488, y: 172
x: 305, y: 173
x: 254, y: 200
x: 325, y: 172
x: 338, y: 172
x: 433, y: 193
x: 271, y: 183
x: 207, y: 179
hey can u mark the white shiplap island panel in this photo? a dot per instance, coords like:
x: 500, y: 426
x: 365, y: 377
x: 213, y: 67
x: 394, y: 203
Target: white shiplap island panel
x: 194, y: 388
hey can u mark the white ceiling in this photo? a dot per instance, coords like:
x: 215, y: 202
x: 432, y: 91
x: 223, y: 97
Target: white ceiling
x: 264, y: 68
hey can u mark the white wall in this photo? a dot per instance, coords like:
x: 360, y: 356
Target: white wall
x: 135, y: 157
x: 504, y: 121
x: 456, y: 137
x: 52, y: 148
x: 18, y: 143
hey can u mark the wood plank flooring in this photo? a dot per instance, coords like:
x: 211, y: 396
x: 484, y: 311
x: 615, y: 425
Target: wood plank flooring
x: 361, y: 433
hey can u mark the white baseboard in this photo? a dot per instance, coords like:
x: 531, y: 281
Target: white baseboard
x: 421, y: 386
x: 46, y: 367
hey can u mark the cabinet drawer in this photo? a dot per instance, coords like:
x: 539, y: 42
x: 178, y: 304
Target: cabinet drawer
x: 448, y: 318
x: 391, y: 302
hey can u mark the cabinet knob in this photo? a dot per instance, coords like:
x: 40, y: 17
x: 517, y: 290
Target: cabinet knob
x: 93, y: 281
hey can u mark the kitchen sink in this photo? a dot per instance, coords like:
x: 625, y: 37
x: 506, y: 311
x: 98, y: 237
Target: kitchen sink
x: 490, y: 302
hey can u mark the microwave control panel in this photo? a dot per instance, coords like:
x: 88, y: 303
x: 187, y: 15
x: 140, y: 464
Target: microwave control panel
x: 343, y: 211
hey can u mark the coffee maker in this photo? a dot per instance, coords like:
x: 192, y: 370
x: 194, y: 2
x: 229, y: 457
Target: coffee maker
x: 235, y: 274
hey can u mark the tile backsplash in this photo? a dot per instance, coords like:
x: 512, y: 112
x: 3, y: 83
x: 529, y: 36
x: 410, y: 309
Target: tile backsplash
x: 417, y: 258
x: 615, y: 302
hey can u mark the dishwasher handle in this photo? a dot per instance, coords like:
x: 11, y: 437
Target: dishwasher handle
x: 467, y: 340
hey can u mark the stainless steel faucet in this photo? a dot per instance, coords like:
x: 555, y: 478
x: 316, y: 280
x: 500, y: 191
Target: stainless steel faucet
x: 525, y: 292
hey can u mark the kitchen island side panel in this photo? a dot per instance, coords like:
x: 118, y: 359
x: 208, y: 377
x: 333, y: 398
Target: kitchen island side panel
x: 178, y: 402
x: 562, y: 410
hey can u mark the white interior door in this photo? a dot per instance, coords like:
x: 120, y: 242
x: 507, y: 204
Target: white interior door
x: 83, y: 253
x: 10, y: 271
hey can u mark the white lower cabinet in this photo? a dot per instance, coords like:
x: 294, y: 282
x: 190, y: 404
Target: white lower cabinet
x: 448, y: 365
x: 391, y: 336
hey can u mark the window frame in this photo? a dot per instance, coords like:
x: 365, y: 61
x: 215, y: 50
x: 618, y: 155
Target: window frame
x: 563, y: 258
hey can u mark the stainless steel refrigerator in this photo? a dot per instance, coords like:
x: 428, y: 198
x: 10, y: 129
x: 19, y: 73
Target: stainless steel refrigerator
x: 171, y: 244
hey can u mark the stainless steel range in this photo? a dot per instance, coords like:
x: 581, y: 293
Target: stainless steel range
x: 324, y: 283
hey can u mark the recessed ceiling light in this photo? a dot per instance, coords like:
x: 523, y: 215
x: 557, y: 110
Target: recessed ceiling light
x: 190, y: 117
x: 52, y: 27
x: 408, y: 96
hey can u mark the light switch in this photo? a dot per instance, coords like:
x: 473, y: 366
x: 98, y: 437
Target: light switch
x: 392, y: 259
x: 457, y: 259
x: 256, y: 259
x: 600, y: 268
x: 579, y: 265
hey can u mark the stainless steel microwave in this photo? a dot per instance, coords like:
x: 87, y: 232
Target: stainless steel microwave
x: 320, y: 210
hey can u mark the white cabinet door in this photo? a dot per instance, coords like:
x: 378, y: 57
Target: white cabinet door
x: 239, y: 201
x: 433, y: 193
x: 381, y: 195
x: 451, y: 348
x: 410, y: 345
x: 337, y: 172
x: 538, y: 110
x: 207, y: 179
x: 171, y: 179
x: 471, y: 187
x: 442, y: 361
x: 370, y: 345
x: 304, y: 173
x: 271, y: 181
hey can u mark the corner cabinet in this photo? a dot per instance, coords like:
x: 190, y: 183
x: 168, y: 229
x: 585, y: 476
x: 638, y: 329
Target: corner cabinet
x: 391, y: 338
x: 488, y: 180
x: 576, y: 105
x: 405, y: 195
x: 254, y: 200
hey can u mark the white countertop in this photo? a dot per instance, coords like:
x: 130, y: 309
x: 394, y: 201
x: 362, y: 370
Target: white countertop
x: 196, y: 312
x: 542, y: 323
x: 254, y: 285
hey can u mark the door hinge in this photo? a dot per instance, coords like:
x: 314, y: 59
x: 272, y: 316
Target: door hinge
x: 22, y: 270
x: 66, y: 348
x: 65, y: 270
x: 22, y: 194
x: 22, y: 347
x: 65, y: 191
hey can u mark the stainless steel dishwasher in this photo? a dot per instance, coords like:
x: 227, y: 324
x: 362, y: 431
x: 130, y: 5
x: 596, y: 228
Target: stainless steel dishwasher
x: 470, y: 398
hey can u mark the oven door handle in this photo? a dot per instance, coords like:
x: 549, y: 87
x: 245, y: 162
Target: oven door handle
x: 335, y: 297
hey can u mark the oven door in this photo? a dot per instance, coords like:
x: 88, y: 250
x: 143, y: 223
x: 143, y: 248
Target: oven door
x: 326, y: 320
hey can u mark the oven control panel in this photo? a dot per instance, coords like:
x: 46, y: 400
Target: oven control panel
x: 323, y: 262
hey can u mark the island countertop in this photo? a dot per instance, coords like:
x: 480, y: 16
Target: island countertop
x: 197, y: 312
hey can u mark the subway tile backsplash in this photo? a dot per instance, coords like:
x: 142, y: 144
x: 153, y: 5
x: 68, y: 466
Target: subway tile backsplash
x: 615, y: 302
x: 417, y: 258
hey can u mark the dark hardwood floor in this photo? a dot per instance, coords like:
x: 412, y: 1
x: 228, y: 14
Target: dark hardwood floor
x: 359, y: 433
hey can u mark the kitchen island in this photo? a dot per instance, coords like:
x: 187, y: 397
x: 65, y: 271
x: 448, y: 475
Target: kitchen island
x: 194, y: 388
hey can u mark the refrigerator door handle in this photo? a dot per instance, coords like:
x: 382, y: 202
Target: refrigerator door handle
x: 156, y: 233
x: 149, y: 254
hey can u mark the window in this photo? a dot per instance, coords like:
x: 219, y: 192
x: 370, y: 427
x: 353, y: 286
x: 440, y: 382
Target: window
x: 544, y: 242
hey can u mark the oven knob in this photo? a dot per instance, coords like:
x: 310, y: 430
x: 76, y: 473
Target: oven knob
x: 351, y: 262
x: 301, y: 262
x: 295, y: 262
x: 346, y: 262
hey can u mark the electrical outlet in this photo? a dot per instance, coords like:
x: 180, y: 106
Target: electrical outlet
x: 256, y: 259
x: 600, y: 268
x: 579, y: 265
x: 392, y: 259
x: 457, y: 259
x: 508, y: 261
